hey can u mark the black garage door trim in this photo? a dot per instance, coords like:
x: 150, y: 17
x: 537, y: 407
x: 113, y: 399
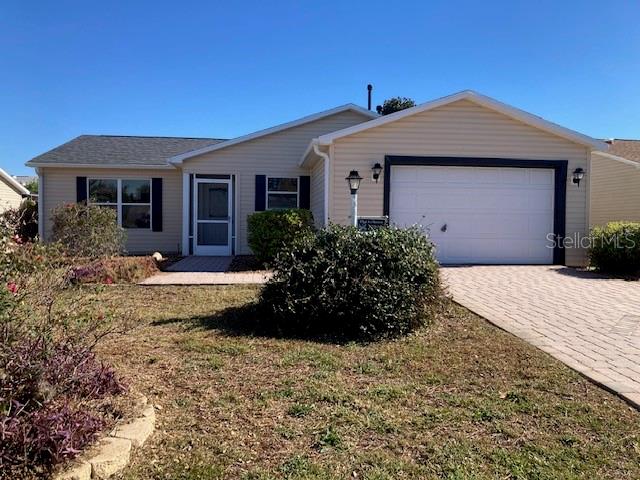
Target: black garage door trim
x: 560, y: 182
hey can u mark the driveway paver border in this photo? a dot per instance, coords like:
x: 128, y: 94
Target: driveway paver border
x: 607, y: 358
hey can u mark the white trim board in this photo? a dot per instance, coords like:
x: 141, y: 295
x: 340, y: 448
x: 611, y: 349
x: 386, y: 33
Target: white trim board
x: 178, y: 159
x: 478, y: 99
x: 13, y: 183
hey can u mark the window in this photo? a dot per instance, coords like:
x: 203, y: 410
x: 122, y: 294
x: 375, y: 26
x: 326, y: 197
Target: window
x: 130, y: 198
x: 282, y: 193
x: 136, y: 204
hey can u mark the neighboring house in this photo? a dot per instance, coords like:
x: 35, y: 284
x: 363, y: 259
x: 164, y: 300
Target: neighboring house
x: 24, y: 180
x: 615, y: 183
x: 491, y: 183
x: 11, y: 192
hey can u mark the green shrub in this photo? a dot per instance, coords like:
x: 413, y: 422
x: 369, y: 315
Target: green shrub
x: 615, y: 248
x: 20, y: 257
x: 348, y: 284
x: 271, y: 230
x: 88, y: 230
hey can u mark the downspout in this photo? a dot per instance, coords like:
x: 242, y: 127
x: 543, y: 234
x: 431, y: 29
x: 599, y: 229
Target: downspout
x: 40, y: 173
x: 325, y: 158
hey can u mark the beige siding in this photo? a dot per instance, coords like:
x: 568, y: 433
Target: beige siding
x: 458, y: 129
x: 615, y: 191
x: 317, y: 192
x: 60, y: 188
x: 277, y: 155
x: 9, y: 198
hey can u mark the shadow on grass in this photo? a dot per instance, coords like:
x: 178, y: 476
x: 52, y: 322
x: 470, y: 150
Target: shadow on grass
x: 247, y: 320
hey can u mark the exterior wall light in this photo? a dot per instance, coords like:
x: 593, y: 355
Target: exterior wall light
x: 353, y: 180
x: 578, y: 175
x: 376, y: 169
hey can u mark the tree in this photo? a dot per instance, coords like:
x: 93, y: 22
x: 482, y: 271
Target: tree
x: 395, y: 104
x: 32, y: 186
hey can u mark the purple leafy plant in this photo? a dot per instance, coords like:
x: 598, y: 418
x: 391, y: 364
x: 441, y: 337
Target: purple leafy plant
x: 44, y: 387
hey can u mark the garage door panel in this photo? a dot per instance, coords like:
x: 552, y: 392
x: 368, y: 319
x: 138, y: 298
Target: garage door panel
x: 541, y: 176
x: 492, y: 215
x: 462, y: 251
x: 443, y: 197
x: 492, y: 225
x: 512, y: 176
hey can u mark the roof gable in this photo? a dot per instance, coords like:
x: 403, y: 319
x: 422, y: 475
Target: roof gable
x: 478, y: 99
x: 13, y: 183
x: 178, y: 159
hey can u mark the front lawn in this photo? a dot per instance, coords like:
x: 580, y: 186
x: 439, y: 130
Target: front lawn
x: 460, y: 399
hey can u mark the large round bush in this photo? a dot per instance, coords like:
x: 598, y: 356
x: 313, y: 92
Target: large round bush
x: 615, y: 248
x: 272, y: 230
x: 348, y: 284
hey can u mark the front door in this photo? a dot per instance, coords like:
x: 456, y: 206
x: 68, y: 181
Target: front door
x: 212, y: 219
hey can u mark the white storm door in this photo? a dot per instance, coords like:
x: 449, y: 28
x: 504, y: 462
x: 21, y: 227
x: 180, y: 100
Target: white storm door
x: 212, y: 217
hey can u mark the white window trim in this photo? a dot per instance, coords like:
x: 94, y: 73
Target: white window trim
x: 119, y: 203
x: 268, y: 192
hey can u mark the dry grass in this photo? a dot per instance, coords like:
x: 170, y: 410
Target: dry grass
x: 460, y: 399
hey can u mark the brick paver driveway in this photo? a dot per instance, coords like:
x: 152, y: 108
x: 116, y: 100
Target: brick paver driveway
x: 587, y: 321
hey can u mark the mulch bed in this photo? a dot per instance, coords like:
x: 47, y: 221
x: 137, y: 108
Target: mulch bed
x: 245, y: 263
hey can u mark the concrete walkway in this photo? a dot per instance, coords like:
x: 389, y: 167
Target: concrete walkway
x: 201, y: 264
x: 207, y: 278
x: 589, y: 322
x: 196, y: 270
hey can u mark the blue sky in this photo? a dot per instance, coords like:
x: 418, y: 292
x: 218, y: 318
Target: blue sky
x: 222, y: 69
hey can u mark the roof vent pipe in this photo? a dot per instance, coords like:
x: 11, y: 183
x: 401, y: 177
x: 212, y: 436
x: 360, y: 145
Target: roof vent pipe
x: 369, y: 88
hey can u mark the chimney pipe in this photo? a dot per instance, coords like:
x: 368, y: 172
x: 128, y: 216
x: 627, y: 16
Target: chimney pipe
x: 369, y: 88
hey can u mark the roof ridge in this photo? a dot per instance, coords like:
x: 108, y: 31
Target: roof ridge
x: 150, y: 136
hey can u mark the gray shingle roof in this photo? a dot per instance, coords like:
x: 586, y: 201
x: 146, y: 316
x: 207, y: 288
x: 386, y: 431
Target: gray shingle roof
x: 120, y: 150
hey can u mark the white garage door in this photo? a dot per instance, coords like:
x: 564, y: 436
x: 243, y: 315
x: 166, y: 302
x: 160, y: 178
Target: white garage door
x: 478, y: 214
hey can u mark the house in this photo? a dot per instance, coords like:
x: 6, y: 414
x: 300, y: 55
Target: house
x: 489, y: 182
x: 24, y: 180
x: 615, y: 183
x: 11, y: 192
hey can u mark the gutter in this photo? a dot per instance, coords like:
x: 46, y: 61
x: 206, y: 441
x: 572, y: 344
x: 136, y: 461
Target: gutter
x: 19, y: 188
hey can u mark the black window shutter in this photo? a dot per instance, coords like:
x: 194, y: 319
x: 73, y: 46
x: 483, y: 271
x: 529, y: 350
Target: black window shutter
x: 156, y: 204
x: 305, y: 192
x: 81, y: 189
x: 261, y: 193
